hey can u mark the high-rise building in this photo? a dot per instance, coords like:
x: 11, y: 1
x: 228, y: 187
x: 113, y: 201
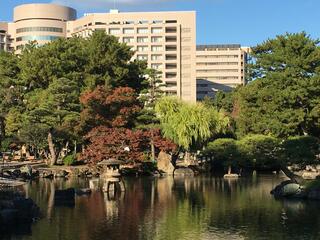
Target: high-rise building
x: 40, y: 22
x: 4, y: 37
x: 166, y: 40
x: 219, y: 68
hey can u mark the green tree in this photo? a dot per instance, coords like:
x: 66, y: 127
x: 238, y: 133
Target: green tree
x: 10, y: 90
x: 189, y: 125
x: 260, y: 152
x: 283, y: 100
x: 225, y: 152
x: 40, y: 88
x: 56, y: 110
x: 147, y: 119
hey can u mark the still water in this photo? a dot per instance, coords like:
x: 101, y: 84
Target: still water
x: 197, y: 208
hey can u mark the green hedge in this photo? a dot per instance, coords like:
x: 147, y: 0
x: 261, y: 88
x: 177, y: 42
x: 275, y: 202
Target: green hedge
x: 263, y: 152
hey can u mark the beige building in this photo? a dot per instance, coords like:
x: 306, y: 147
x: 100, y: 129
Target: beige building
x: 4, y: 37
x: 219, y: 68
x: 40, y: 22
x: 166, y: 40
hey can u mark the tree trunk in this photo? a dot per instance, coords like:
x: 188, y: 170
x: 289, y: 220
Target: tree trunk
x: 153, y: 151
x: 229, y: 170
x: 2, y: 129
x: 291, y: 175
x: 75, y: 148
x: 53, y: 159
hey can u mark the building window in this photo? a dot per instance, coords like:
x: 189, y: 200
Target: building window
x: 142, y: 57
x: 142, y: 48
x: 171, y: 48
x: 171, y: 29
x: 156, y: 65
x: 171, y: 21
x: 156, y: 39
x: 36, y: 38
x: 39, y: 29
x: 114, y: 31
x: 100, y: 23
x: 171, y: 66
x: 142, y: 30
x: 128, y: 39
x: 128, y: 30
x: 143, y: 22
x: 171, y: 75
x: 156, y: 57
x: 156, y: 30
x: 156, y: 48
x: 171, y: 39
x: 142, y: 39
x: 171, y: 93
x: 171, y: 84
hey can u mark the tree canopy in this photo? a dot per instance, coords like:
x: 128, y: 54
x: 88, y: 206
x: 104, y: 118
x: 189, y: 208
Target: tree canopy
x: 189, y: 125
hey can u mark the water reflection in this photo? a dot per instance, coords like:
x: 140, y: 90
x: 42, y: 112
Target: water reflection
x: 168, y: 208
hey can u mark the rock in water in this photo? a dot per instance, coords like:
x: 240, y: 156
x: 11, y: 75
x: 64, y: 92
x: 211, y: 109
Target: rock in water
x: 231, y: 176
x: 288, y: 189
x: 183, y: 172
x: 60, y: 174
x: 164, y: 163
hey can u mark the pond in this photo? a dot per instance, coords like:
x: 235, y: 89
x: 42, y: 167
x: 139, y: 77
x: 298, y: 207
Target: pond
x: 173, y: 208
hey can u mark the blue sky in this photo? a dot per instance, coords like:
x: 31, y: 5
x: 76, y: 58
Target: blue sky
x: 247, y: 22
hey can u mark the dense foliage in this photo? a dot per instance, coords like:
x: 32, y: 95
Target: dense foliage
x: 40, y: 89
x: 189, y: 125
x: 282, y: 98
x: 264, y: 152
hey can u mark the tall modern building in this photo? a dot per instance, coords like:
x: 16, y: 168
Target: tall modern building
x: 40, y: 22
x: 166, y: 40
x: 4, y: 37
x: 219, y: 68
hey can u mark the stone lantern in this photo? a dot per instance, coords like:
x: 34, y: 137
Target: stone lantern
x: 111, y: 176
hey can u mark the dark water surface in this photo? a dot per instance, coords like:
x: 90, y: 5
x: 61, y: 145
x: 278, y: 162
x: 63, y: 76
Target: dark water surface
x: 166, y: 208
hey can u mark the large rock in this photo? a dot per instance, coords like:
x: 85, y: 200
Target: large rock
x: 184, y: 172
x: 309, y: 175
x: 60, y: 174
x: 288, y: 189
x: 46, y: 174
x: 164, y: 163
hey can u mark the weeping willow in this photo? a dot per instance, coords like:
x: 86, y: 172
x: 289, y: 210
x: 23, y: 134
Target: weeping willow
x: 189, y: 124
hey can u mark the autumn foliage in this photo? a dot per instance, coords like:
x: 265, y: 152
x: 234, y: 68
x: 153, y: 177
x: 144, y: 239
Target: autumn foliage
x: 107, y: 121
x: 108, y: 107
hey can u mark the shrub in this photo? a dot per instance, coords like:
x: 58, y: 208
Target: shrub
x: 301, y: 150
x: 224, y: 151
x: 260, y: 151
x: 69, y: 160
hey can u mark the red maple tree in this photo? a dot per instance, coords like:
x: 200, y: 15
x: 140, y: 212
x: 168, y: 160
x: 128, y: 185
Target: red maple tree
x: 107, y: 121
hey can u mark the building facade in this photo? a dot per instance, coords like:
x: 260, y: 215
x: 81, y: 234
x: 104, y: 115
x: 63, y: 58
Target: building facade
x: 4, y: 37
x: 219, y: 68
x: 166, y: 40
x: 40, y: 22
